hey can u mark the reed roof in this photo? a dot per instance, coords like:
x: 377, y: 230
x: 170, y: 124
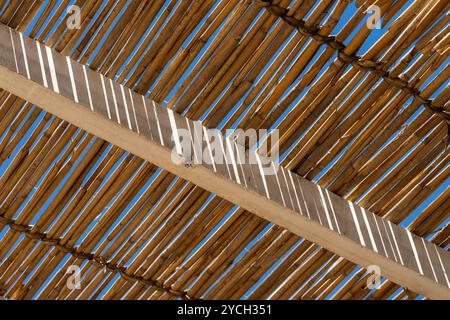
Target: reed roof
x: 361, y: 112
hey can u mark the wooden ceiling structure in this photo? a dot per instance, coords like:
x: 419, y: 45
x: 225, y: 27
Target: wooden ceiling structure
x: 371, y: 126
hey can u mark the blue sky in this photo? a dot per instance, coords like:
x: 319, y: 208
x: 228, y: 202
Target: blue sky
x: 375, y: 35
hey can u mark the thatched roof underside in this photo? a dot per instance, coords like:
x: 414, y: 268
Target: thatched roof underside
x: 368, y: 122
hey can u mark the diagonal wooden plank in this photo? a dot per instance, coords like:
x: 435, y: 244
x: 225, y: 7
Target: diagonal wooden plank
x: 117, y: 114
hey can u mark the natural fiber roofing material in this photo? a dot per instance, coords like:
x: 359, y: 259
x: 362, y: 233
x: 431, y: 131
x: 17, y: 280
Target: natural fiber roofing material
x: 241, y: 66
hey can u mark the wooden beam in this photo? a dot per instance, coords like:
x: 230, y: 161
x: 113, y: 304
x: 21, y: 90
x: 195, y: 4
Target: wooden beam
x: 104, y: 108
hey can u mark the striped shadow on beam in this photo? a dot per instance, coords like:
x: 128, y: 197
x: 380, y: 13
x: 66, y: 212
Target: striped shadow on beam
x: 113, y: 112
